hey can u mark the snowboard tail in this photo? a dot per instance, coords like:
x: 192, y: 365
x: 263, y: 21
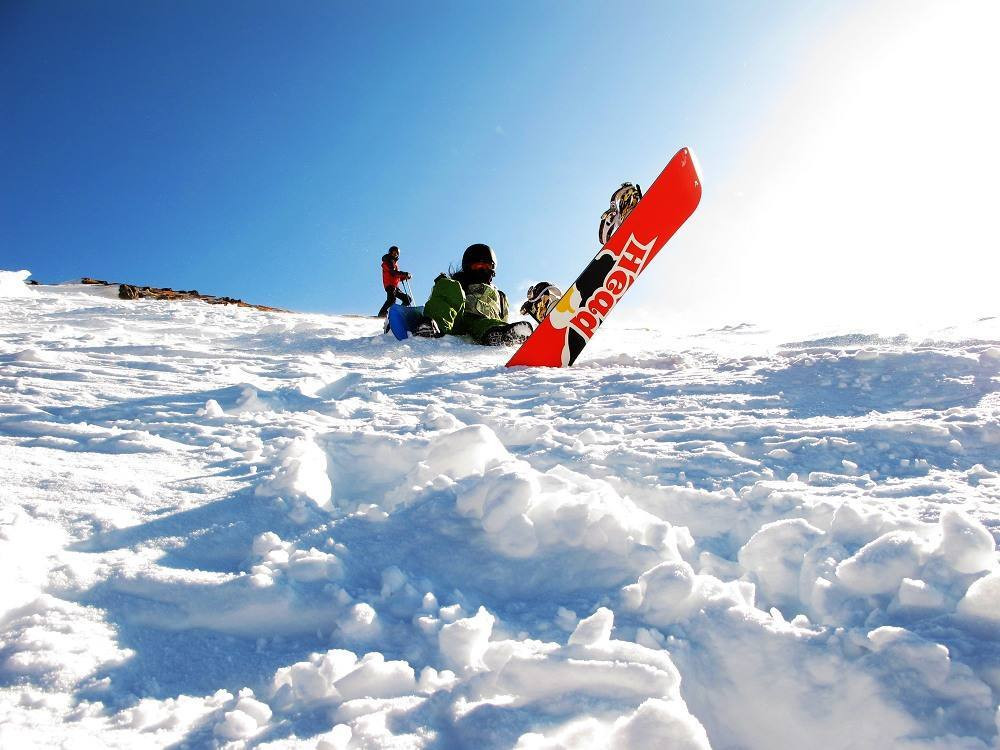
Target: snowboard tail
x: 666, y: 205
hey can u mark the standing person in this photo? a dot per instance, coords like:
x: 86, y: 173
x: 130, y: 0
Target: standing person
x: 391, y: 276
x: 467, y: 303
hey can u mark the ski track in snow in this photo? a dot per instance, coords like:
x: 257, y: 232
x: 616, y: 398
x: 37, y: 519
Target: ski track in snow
x: 226, y: 527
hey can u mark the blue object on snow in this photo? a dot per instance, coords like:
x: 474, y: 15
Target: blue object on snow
x: 403, y: 320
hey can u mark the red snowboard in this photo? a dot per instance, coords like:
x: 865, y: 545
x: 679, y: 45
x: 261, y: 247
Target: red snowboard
x: 666, y: 205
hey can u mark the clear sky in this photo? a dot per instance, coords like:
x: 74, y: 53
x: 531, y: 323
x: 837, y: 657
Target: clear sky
x: 273, y: 151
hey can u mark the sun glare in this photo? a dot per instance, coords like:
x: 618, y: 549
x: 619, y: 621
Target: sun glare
x: 873, y: 197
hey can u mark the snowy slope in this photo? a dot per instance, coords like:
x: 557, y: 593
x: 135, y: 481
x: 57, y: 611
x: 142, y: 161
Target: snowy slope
x: 220, y: 525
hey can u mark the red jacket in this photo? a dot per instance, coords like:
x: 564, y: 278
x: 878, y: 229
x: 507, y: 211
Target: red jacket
x: 391, y: 276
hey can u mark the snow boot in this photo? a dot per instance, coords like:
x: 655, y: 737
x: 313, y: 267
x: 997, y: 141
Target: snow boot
x: 508, y: 335
x: 427, y: 328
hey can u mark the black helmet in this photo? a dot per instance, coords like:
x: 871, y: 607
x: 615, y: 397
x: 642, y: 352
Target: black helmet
x: 479, y: 264
x: 478, y: 253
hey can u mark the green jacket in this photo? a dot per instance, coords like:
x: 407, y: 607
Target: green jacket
x: 466, y: 313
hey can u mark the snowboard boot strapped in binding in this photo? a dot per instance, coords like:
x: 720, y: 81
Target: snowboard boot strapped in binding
x: 623, y: 200
x: 427, y: 328
x: 542, y: 297
x: 512, y: 334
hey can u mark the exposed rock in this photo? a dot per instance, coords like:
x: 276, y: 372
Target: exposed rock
x: 131, y: 291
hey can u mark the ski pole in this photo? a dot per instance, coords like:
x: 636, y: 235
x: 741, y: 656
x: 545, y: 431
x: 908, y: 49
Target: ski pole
x: 406, y: 288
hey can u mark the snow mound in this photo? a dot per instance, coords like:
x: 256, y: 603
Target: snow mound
x: 226, y: 527
x: 12, y: 284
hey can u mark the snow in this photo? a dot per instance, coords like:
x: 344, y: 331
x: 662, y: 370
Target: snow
x: 12, y: 284
x: 223, y: 527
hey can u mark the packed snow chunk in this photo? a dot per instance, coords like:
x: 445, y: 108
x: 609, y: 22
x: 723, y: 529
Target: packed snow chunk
x: 338, y: 738
x: 212, y: 410
x: 880, y: 566
x: 393, y: 579
x: 250, y: 402
x: 465, y: 452
x: 237, y: 725
x: 436, y: 418
x: 173, y: 714
x: 266, y: 542
x: 507, y: 493
x: 656, y: 723
x: 464, y: 642
x: 253, y: 707
x: 774, y: 555
x: 313, y: 565
x: 246, y: 719
x: 966, y: 545
x: 507, y: 499
x: 12, y: 284
x: 982, y: 600
x: 377, y: 678
x: 854, y: 525
x: 301, y: 473
x: 501, y: 500
x: 616, y: 672
x: 595, y: 629
x: 977, y: 474
x: 360, y: 623
x: 919, y: 595
x: 432, y: 680
x: 308, y: 682
x: 667, y: 593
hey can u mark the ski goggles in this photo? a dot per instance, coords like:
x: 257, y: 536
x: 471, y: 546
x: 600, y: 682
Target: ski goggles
x: 482, y: 265
x: 542, y: 297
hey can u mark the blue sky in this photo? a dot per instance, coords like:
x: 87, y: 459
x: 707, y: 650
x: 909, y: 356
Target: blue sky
x: 273, y: 151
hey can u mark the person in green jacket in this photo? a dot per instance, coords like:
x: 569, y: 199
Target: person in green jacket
x: 465, y: 303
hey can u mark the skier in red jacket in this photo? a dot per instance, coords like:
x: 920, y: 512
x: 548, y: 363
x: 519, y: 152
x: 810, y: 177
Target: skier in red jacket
x: 391, y: 276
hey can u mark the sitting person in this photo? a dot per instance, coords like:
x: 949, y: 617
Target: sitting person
x: 465, y: 303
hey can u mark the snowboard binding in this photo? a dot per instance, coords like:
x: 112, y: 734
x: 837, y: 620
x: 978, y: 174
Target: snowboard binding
x: 542, y: 297
x: 623, y: 200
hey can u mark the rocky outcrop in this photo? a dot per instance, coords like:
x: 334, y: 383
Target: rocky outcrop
x: 130, y: 291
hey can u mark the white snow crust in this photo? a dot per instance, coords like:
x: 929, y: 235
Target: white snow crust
x: 12, y: 284
x: 221, y: 527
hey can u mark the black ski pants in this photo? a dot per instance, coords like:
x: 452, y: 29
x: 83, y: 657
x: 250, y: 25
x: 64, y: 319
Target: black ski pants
x: 391, y: 295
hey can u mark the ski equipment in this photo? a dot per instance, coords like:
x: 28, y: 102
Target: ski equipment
x: 623, y: 200
x: 542, y: 297
x: 570, y: 325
